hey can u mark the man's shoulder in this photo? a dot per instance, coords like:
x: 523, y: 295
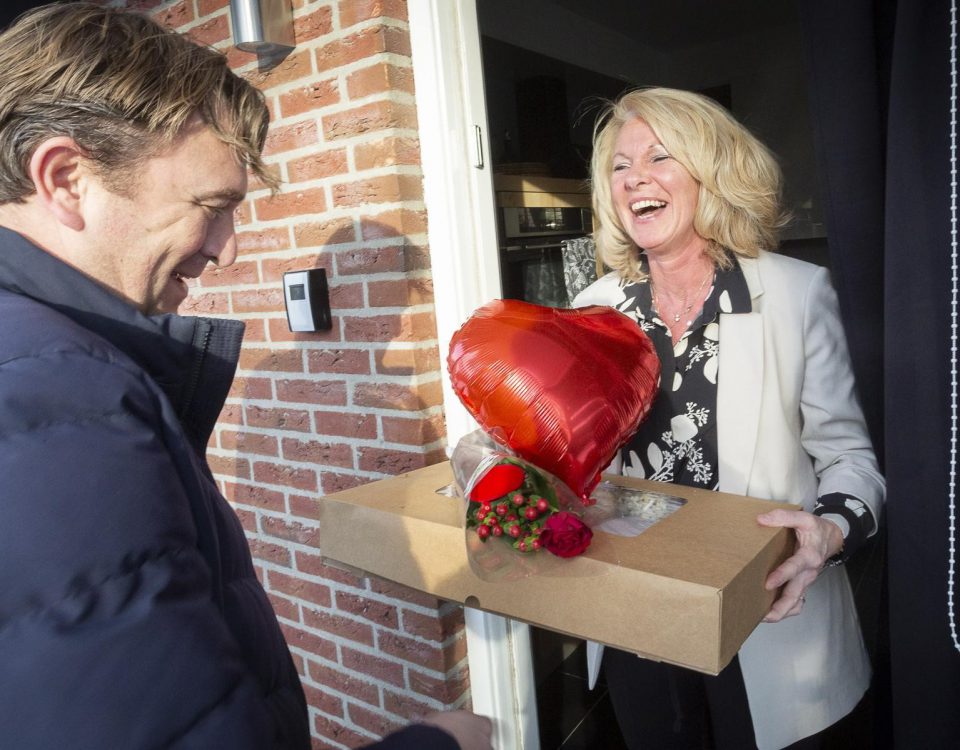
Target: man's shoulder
x: 54, y: 369
x: 30, y: 328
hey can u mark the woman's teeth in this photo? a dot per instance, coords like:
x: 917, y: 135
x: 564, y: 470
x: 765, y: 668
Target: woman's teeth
x: 643, y: 207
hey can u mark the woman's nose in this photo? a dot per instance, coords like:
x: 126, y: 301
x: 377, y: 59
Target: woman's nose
x: 636, y: 176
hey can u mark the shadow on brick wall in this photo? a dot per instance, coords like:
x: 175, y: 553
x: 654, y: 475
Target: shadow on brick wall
x: 315, y: 413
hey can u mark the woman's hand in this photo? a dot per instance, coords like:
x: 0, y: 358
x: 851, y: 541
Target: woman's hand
x: 818, y: 540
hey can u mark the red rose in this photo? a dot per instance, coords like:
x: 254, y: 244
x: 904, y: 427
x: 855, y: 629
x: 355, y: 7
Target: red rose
x: 497, y: 482
x: 565, y: 535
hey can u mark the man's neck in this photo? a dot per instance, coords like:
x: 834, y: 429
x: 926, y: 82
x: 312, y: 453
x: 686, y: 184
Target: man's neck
x: 22, y: 218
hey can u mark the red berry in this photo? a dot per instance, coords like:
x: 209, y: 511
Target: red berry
x: 531, y: 514
x: 542, y: 505
x: 501, y: 510
x: 536, y: 544
x: 498, y: 531
x: 481, y: 514
x: 522, y: 546
x: 517, y: 499
x: 511, y: 517
x: 485, y: 506
x: 483, y: 531
x: 515, y: 531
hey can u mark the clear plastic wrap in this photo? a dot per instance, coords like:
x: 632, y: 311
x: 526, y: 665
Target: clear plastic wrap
x: 520, y: 520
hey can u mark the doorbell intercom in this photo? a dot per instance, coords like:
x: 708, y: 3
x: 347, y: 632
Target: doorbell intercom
x: 307, y: 299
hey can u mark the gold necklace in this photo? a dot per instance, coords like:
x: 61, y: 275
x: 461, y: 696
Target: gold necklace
x: 684, y: 308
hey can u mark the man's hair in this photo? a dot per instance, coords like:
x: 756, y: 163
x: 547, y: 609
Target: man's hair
x: 738, y: 207
x: 122, y: 87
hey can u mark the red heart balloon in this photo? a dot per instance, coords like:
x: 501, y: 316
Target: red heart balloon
x: 564, y: 389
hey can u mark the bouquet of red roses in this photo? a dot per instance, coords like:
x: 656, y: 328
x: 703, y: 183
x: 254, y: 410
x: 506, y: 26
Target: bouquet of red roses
x: 515, y: 509
x: 515, y: 500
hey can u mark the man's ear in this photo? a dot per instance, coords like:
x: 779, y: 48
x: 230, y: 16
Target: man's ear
x: 58, y: 170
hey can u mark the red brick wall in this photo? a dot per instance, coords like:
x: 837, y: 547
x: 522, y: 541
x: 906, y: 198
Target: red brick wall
x: 310, y: 414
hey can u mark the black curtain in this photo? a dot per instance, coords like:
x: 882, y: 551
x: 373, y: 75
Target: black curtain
x: 880, y: 88
x: 13, y: 8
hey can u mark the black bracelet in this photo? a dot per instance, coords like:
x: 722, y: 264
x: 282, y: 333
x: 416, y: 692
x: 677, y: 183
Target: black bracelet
x: 835, y: 503
x: 838, y: 559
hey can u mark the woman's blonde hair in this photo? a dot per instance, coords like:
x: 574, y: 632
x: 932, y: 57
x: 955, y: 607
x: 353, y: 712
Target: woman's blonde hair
x: 738, y: 208
x: 122, y: 87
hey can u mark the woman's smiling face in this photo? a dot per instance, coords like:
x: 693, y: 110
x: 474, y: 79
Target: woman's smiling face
x: 654, y: 195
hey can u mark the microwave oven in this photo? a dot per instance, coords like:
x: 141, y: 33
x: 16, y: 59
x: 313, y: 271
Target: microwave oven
x: 521, y: 222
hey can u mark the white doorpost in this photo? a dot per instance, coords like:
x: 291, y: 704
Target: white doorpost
x: 458, y: 192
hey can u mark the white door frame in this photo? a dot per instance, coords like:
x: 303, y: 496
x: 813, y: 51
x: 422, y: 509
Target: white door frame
x: 459, y: 197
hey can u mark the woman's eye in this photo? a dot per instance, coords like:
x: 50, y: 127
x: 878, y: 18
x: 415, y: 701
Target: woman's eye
x: 659, y: 158
x: 215, y: 211
x: 619, y: 167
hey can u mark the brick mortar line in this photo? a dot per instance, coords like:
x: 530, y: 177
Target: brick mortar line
x: 327, y: 408
x: 372, y: 596
x: 283, y: 159
x: 341, y: 641
x: 278, y: 432
x: 289, y: 346
x: 348, y: 379
x: 342, y: 345
x: 397, y: 96
x: 346, y: 588
x: 328, y: 468
x: 349, y: 178
x: 339, y: 73
x: 353, y: 213
x: 366, y: 136
x: 332, y: 250
x: 370, y: 680
x: 352, y: 442
x: 312, y: 346
x: 343, y: 721
x: 388, y: 170
x: 373, y: 21
x: 326, y: 216
x: 371, y: 650
x: 345, y: 102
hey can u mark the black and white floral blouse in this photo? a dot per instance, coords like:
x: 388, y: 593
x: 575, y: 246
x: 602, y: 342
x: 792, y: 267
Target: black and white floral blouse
x: 678, y: 440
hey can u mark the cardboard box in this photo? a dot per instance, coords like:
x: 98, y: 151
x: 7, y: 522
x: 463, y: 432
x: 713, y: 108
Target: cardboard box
x: 688, y: 590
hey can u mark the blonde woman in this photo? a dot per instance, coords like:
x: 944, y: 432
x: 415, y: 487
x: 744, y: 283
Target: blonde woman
x: 757, y: 397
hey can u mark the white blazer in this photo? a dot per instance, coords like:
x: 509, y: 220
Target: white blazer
x: 789, y: 428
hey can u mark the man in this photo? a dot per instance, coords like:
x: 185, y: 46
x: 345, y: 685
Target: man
x: 130, y: 615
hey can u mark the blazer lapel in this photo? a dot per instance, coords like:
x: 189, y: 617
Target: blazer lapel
x: 739, y: 388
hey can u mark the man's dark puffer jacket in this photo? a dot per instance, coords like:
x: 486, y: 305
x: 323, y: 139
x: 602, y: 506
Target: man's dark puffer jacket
x: 130, y: 614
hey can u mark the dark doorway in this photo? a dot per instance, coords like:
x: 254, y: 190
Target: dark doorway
x: 13, y: 8
x: 547, y: 63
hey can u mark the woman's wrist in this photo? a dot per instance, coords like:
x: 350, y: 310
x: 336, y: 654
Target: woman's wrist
x: 836, y: 541
x: 851, y: 520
